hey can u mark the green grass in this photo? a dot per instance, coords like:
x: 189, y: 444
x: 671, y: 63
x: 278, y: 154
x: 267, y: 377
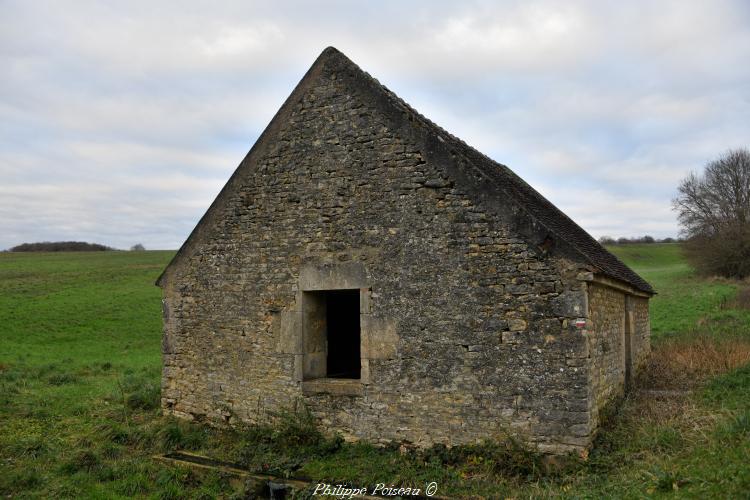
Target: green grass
x: 93, y: 307
x: 683, y: 298
x: 79, y: 378
x: 79, y: 402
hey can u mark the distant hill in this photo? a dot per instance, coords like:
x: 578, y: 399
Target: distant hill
x: 60, y: 246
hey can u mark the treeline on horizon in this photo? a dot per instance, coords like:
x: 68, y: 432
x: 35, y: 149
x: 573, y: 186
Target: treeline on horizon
x: 82, y: 246
x: 60, y: 246
x: 608, y: 240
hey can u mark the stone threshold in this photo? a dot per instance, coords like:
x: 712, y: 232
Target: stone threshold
x: 333, y: 386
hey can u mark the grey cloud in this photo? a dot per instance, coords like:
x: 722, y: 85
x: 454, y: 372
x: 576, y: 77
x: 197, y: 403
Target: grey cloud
x: 119, y: 122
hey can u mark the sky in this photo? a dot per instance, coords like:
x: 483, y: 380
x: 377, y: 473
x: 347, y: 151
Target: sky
x: 121, y: 121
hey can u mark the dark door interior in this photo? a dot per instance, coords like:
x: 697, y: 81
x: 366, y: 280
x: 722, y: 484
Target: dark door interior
x: 343, y: 333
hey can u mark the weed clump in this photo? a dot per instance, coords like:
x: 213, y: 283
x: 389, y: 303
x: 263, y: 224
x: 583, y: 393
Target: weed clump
x: 664, y: 481
x: 111, y: 450
x: 147, y: 398
x: 33, y: 448
x: 284, y: 444
x: 508, y: 457
x: 62, y: 379
x: 21, y: 480
x: 84, y: 460
x: 138, y: 392
x: 121, y: 434
x: 141, y: 394
x: 181, y: 435
x: 736, y: 428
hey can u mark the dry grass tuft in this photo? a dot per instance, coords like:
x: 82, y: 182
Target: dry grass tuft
x: 678, y: 412
x: 662, y: 399
x: 683, y: 364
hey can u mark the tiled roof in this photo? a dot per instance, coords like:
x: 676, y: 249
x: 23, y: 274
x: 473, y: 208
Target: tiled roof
x: 510, y: 184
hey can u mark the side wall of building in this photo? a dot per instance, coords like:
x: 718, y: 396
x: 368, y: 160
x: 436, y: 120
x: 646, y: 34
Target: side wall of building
x: 641, y: 330
x: 471, y: 329
x: 619, y: 341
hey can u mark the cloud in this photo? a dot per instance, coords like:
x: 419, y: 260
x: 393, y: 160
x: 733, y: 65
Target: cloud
x: 528, y: 36
x: 119, y: 122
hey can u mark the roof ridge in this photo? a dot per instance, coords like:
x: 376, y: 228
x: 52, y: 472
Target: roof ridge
x: 590, y: 249
x: 501, y: 177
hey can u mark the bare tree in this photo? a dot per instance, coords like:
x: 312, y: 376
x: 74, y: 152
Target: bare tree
x: 714, y: 212
x: 137, y: 248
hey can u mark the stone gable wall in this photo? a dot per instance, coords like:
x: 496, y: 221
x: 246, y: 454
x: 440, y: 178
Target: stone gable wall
x: 472, y: 328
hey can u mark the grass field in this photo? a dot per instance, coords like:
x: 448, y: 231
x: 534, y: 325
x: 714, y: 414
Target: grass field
x: 79, y: 396
x: 683, y: 299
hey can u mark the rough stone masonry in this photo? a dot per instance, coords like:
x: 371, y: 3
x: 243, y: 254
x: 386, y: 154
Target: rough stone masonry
x: 403, y: 286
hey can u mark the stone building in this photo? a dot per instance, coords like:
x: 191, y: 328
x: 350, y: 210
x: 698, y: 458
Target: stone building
x: 403, y: 286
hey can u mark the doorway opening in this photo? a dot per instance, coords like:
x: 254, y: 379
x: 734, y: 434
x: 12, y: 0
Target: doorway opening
x: 343, y: 359
x: 628, y: 355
